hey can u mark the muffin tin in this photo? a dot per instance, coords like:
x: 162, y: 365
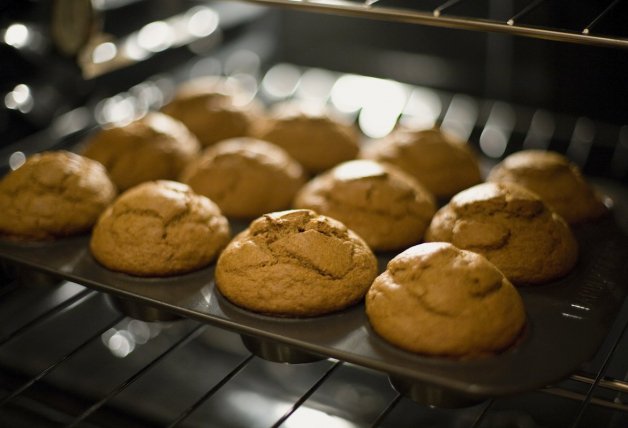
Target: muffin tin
x: 567, y: 319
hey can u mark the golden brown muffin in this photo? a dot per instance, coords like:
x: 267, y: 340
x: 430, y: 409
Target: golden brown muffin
x: 159, y: 228
x: 555, y: 179
x: 386, y: 207
x: 436, y: 299
x: 212, y: 109
x: 510, y: 226
x: 54, y: 194
x: 245, y: 177
x: 315, y: 139
x: 441, y: 162
x: 295, y: 263
x: 151, y: 148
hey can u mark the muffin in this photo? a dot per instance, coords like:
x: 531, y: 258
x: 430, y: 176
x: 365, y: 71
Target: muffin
x: 512, y: 227
x: 212, y: 109
x: 555, y: 179
x: 245, y: 177
x: 385, y: 206
x: 315, y: 139
x: 436, y: 299
x: 295, y: 263
x: 159, y: 228
x: 54, y: 194
x: 444, y: 164
x: 151, y: 148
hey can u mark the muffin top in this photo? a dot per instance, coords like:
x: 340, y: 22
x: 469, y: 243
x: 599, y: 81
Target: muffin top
x: 246, y: 177
x: 295, y: 263
x: 436, y: 299
x: 213, y: 109
x: 386, y: 207
x: 159, y: 228
x: 512, y: 227
x: 151, y: 148
x: 555, y: 179
x: 54, y: 194
x: 315, y: 139
x: 441, y: 162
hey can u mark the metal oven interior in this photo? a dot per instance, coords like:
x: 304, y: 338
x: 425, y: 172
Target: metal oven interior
x: 507, y: 75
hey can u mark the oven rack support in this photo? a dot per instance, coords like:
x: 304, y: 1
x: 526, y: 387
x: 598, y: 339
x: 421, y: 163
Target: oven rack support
x: 597, y: 381
x: 440, y: 16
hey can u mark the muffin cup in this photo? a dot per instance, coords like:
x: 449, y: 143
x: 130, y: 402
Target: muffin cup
x: 140, y: 311
x: 431, y: 395
x: 277, y: 352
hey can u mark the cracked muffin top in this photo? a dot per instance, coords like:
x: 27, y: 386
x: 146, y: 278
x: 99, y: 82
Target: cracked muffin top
x: 555, y: 179
x: 245, y: 177
x: 155, y: 147
x: 295, y: 263
x: 386, y: 207
x: 442, y: 163
x: 436, y: 299
x: 159, y: 228
x: 512, y: 227
x: 54, y: 194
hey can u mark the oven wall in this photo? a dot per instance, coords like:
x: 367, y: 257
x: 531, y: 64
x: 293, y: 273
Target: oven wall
x: 574, y: 79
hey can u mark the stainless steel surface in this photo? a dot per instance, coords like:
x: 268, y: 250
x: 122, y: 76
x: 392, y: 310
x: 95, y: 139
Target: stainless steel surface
x: 438, y: 17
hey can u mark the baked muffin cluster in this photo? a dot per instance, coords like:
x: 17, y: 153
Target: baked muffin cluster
x: 208, y: 157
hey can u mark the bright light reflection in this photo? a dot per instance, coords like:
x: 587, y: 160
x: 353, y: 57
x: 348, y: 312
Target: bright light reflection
x: 540, y: 131
x: 121, y: 344
x: 119, y: 109
x: 493, y: 141
x: 155, y: 37
x: 133, y: 50
x: 383, y: 102
x: 281, y: 81
x: 104, y: 52
x: 202, y: 22
x: 19, y: 98
x: 316, y: 84
x: 460, y: 117
x: 17, y: 35
x: 306, y: 417
x: 422, y: 109
x: 496, y: 133
x: 16, y: 160
x: 347, y: 94
x: 129, y: 335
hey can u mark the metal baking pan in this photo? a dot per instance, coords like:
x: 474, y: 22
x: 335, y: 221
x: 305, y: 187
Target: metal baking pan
x: 567, y: 319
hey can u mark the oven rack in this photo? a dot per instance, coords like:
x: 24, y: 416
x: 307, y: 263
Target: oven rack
x: 442, y: 13
x: 590, y: 392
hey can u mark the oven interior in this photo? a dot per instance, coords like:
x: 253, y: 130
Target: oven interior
x: 69, y: 357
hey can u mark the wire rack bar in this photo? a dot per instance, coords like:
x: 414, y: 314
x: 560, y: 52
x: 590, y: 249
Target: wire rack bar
x: 564, y: 393
x: 386, y: 411
x: 598, y: 18
x: 178, y: 344
x: 600, y: 375
x: 211, y: 392
x: 54, y: 365
x: 523, y: 12
x: 438, y: 11
x: 307, y: 394
x: 85, y: 294
x: 605, y: 382
x: 346, y: 8
x: 482, y: 414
